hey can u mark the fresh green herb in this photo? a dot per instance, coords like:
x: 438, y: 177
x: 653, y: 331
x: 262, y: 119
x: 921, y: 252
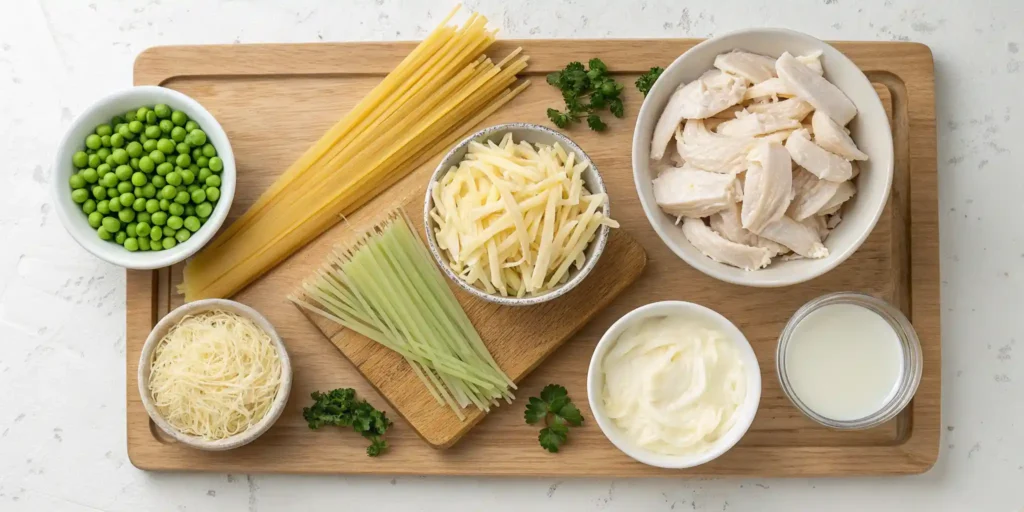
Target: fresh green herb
x: 340, y: 408
x: 646, y: 80
x: 586, y: 91
x: 556, y: 410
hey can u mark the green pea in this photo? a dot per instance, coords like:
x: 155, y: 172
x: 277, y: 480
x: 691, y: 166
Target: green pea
x: 111, y: 224
x: 197, y: 137
x: 130, y: 230
x: 146, y: 165
x: 109, y: 180
x: 176, y: 209
x: 130, y: 116
x: 142, y: 228
x: 120, y: 237
x: 143, y: 139
x: 183, y: 160
x: 191, y: 223
x: 120, y: 156
x: 152, y: 206
x: 151, y: 117
x: 95, y: 161
x: 135, y: 126
x: 80, y: 159
x: 162, y: 111
x: 134, y: 149
x: 112, y: 192
x: 174, y: 222
x: 166, y: 126
x: 173, y: 178
x: 149, y: 146
x: 131, y: 243
x: 169, y: 232
x: 179, y: 118
x: 187, y: 177
x: 95, y: 219
x: 77, y: 181
x: 156, y: 233
x: 110, y: 161
x: 203, y: 174
x: 182, y: 235
x: 126, y: 199
x: 134, y: 164
x: 164, y: 169
x: 89, y: 175
x: 139, y: 179
x: 153, y: 132
x: 197, y: 153
x: 213, y: 181
x: 191, y: 125
x: 190, y: 210
x: 140, y: 204
x: 157, y: 156
x: 104, y: 129
x: 165, y: 204
x: 192, y: 188
x: 209, y: 151
x: 143, y: 217
x: 79, y: 195
x: 116, y: 140
x: 199, y: 196
x: 203, y: 210
x: 103, y: 233
x: 158, y: 181
x: 212, y: 194
x: 183, y: 148
x: 103, y: 153
x: 104, y: 141
x: 89, y: 206
x: 165, y: 146
x: 144, y: 244
x: 126, y: 215
x: 102, y: 170
x: 159, y: 218
x: 125, y: 132
x: 149, y: 190
x: 99, y: 192
x: 168, y: 192
x: 137, y: 191
x: 194, y: 168
x: 202, y: 161
x: 93, y: 142
x: 103, y: 207
x: 123, y: 172
x: 168, y: 243
x: 178, y: 134
x: 181, y: 198
x: 124, y: 186
x: 216, y: 164
x: 181, y: 188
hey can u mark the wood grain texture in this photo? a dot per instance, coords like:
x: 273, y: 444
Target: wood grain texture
x: 274, y: 100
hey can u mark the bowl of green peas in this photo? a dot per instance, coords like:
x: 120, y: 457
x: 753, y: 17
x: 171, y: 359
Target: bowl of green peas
x: 144, y: 178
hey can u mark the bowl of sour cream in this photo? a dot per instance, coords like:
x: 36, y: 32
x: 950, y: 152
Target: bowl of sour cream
x: 674, y: 384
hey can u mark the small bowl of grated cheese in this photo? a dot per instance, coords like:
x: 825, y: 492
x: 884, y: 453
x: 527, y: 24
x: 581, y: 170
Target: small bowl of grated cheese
x: 214, y: 374
x: 517, y: 214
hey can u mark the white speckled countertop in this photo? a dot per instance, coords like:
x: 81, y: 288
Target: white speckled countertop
x: 62, y: 420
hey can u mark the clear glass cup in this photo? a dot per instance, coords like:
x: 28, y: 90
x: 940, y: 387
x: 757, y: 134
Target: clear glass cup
x: 910, y: 371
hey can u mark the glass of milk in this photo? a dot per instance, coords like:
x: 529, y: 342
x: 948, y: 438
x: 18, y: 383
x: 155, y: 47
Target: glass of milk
x: 849, y: 361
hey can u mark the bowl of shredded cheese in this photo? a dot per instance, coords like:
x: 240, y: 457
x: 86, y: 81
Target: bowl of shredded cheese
x: 214, y: 374
x: 517, y: 214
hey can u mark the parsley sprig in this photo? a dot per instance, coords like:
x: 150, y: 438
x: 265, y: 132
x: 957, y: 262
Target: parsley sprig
x: 340, y: 408
x: 646, y: 80
x: 586, y: 91
x: 556, y: 410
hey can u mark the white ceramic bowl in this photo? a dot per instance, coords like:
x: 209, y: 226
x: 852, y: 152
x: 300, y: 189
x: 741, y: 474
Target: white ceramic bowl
x: 707, y: 317
x: 200, y: 306
x: 101, y: 112
x: 870, y: 130
x: 535, y: 134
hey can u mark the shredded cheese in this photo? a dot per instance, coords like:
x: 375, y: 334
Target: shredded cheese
x: 214, y: 375
x: 514, y: 218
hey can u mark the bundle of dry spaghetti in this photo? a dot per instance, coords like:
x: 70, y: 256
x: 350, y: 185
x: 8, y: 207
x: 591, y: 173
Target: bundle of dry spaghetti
x: 444, y: 88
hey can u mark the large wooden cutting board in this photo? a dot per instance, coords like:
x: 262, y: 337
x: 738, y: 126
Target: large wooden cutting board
x: 274, y: 100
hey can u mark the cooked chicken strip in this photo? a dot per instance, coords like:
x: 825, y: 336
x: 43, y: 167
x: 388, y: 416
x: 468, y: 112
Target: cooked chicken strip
x: 812, y: 61
x: 771, y: 88
x: 844, y: 192
x: 793, y: 108
x: 727, y: 223
x: 690, y: 192
x: 710, y: 94
x: 815, y: 90
x: 712, y: 245
x: 751, y: 124
x: 798, y: 237
x: 778, y: 137
x: 834, y: 138
x: 834, y: 220
x: 710, y: 151
x: 810, y: 194
x: 768, y: 185
x: 854, y: 169
x: 818, y: 224
x: 727, y: 114
x: 819, y: 162
x: 751, y: 66
x: 668, y: 123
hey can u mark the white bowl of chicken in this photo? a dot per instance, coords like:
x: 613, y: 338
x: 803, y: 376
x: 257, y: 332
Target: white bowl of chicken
x: 763, y: 157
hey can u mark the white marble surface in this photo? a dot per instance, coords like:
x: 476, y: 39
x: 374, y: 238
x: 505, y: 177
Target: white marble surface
x: 62, y: 387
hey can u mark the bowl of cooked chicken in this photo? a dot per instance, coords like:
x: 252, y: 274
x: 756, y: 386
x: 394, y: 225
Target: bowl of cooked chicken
x: 763, y: 157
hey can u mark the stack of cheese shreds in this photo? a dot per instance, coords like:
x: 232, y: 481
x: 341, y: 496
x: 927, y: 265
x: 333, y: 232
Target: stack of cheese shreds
x: 431, y: 100
x: 386, y: 288
x: 514, y: 218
